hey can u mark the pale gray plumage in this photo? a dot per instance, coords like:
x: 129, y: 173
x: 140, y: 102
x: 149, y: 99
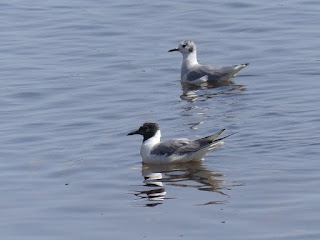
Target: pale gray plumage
x: 212, y: 73
x: 184, y: 146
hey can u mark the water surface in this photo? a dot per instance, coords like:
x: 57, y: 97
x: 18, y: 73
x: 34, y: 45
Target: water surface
x: 77, y: 76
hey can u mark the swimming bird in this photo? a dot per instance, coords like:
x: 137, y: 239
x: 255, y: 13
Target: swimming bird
x: 175, y: 150
x: 193, y: 72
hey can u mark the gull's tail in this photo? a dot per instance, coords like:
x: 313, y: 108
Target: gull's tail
x: 217, y: 140
x: 208, y: 144
x: 238, y: 67
x: 213, y: 136
x: 211, y: 142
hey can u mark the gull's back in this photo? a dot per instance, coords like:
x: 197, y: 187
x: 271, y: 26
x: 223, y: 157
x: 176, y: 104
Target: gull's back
x: 183, y: 146
x: 170, y: 147
x: 211, y: 73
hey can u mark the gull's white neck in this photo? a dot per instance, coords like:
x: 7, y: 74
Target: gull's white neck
x: 149, y: 144
x: 189, y: 60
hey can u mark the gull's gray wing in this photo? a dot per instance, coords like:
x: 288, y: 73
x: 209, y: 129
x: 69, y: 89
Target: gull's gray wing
x: 200, y: 143
x: 182, y: 146
x: 212, y: 137
x: 213, y: 73
x: 170, y: 146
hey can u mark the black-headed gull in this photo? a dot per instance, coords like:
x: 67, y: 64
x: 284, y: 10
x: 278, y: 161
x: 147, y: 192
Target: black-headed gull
x: 175, y: 150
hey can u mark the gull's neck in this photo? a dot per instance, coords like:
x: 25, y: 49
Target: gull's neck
x: 189, y: 60
x: 149, y: 144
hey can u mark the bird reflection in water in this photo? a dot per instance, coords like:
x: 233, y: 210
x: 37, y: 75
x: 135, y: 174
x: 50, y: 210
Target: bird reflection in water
x: 190, y: 92
x: 188, y: 175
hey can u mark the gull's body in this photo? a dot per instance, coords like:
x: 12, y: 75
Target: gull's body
x: 175, y: 150
x: 193, y: 72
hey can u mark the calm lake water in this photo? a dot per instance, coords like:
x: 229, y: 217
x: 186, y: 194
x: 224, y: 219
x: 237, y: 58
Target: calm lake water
x: 77, y: 76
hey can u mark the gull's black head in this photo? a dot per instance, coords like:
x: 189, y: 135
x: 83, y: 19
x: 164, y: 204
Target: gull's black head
x: 147, y: 130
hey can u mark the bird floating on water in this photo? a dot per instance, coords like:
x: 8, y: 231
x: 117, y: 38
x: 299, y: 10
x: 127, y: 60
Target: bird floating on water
x: 193, y: 72
x: 175, y: 150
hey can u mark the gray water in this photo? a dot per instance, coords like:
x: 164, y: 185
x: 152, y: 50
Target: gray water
x: 77, y: 76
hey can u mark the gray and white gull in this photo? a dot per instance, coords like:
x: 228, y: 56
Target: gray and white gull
x: 193, y: 72
x: 174, y: 150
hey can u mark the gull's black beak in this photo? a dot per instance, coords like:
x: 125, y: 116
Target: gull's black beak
x: 134, y: 132
x: 173, y: 49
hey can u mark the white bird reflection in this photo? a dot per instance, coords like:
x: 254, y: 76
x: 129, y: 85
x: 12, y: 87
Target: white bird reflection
x: 190, y: 92
x: 190, y: 175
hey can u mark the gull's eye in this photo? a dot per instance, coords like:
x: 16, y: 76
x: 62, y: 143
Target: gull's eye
x: 184, y: 45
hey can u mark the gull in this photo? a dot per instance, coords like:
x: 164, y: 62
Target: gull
x: 175, y: 150
x: 193, y: 72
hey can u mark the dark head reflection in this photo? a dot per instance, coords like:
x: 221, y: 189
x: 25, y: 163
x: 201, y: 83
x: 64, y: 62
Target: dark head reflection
x: 187, y: 175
